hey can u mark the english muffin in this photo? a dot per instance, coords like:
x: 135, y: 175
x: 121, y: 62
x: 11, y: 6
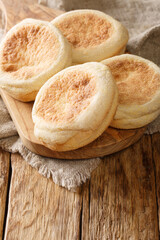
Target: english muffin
x: 75, y: 106
x: 31, y: 52
x: 138, y: 82
x: 93, y: 35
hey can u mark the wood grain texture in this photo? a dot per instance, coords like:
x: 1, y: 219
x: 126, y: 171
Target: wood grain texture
x: 156, y: 158
x: 4, y: 173
x: 120, y: 200
x: 111, y: 141
x: 39, y: 209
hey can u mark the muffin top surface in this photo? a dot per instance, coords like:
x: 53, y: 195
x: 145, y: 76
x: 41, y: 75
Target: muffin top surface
x: 66, y: 97
x: 85, y: 29
x: 29, y: 50
x: 137, y: 82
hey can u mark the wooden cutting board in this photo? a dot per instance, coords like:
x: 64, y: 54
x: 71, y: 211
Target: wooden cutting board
x: 112, y: 140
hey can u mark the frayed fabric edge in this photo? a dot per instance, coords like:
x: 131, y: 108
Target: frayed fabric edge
x: 14, y: 144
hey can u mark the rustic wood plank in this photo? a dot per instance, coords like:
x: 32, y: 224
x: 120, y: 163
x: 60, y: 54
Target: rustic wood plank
x: 120, y: 201
x: 4, y: 173
x: 156, y: 158
x: 39, y: 209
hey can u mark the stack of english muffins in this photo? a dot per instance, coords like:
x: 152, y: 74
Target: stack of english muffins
x: 82, y: 82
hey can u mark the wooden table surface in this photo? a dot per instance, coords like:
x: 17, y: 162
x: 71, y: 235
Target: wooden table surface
x: 120, y: 201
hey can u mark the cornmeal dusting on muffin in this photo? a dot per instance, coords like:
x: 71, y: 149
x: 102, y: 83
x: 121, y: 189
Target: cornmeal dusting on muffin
x: 137, y: 83
x: 66, y: 97
x: 85, y: 30
x: 30, y: 50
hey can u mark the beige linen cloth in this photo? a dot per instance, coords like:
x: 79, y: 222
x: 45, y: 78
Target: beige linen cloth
x: 142, y: 19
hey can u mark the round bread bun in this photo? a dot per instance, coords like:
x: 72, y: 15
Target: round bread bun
x: 131, y: 123
x: 94, y: 36
x: 75, y: 106
x: 138, y: 82
x: 31, y: 52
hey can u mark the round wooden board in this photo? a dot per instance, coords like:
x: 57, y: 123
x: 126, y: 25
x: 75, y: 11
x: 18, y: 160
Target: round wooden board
x: 112, y: 140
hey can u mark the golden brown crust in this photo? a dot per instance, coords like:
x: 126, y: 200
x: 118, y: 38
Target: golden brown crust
x: 76, y: 106
x: 66, y: 97
x: 85, y: 30
x: 28, y: 51
x: 137, y: 82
